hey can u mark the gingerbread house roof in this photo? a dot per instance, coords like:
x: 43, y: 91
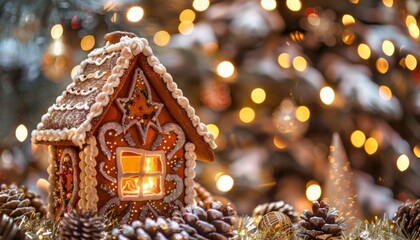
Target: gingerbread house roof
x: 78, y: 111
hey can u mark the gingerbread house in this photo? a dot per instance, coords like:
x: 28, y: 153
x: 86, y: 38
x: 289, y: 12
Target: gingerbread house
x: 122, y: 137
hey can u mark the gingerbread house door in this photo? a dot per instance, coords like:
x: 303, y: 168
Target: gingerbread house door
x: 66, y: 179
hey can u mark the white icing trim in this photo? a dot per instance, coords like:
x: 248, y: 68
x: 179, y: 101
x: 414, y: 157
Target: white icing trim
x: 104, y: 174
x: 189, y: 173
x: 82, y: 193
x: 83, y: 92
x: 69, y: 107
x: 52, y: 152
x: 179, y: 187
x: 128, y: 47
x: 96, y: 75
x: 99, y: 61
x: 89, y: 181
x: 180, y: 138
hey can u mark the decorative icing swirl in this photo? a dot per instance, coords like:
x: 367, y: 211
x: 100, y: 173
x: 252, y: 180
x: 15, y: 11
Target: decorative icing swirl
x: 96, y: 75
x: 99, y: 61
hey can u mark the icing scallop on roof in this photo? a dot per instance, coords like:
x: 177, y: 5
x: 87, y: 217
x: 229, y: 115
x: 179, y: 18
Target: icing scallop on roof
x: 77, y: 111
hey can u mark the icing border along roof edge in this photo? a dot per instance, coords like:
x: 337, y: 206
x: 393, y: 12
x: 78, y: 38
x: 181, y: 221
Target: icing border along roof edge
x: 129, y: 48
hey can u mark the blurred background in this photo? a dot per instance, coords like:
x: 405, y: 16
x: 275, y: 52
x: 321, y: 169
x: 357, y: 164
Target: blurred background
x: 274, y: 79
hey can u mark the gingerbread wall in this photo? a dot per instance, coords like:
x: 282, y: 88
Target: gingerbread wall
x: 138, y: 119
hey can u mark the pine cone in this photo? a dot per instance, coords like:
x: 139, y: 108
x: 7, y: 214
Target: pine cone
x: 9, y: 230
x: 75, y: 225
x: 408, y: 218
x: 18, y: 202
x: 214, y: 223
x: 202, y: 194
x: 279, y: 206
x: 160, y: 229
x: 321, y: 223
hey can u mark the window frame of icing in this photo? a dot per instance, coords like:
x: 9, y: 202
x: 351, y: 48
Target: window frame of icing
x: 141, y: 174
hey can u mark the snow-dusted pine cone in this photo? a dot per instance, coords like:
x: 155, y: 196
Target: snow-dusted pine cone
x: 9, y: 230
x: 279, y: 206
x: 75, y: 225
x: 17, y: 202
x: 214, y: 223
x: 408, y: 218
x: 321, y: 223
x: 153, y: 230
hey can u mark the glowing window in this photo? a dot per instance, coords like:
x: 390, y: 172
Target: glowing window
x: 140, y: 174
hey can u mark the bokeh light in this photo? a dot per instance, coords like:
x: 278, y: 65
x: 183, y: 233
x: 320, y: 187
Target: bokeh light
x: 388, y: 47
x: 348, y: 19
x: 313, y: 191
x: 247, y: 114
x: 388, y: 3
x: 364, y: 51
x: 327, y: 95
x: 213, y: 129
x: 258, y: 95
x: 87, y: 42
x: 382, y: 65
x: 162, y: 38
x: 357, y: 138
x: 187, y: 15
x: 302, y: 113
x: 385, y: 92
x: 413, y: 28
x: 371, y: 146
x: 416, y: 151
x: 21, y: 133
x: 186, y: 28
x: 224, y: 183
x: 294, y: 5
x: 225, y: 69
x: 201, y: 5
x: 300, y: 63
x: 135, y: 14
x: 348, y: 37
x: 284, y: 60
x: 403, y: 162
x: 410, y: 62
x: 57, y: 31
x: 268, y: 5
x: 279, y: 143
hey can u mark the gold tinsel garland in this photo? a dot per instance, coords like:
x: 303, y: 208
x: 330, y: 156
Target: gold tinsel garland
x: 374, y: 230
x: 44, y: 228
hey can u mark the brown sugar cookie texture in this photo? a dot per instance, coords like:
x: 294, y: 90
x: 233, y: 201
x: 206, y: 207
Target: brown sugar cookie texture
x: 122, y: 137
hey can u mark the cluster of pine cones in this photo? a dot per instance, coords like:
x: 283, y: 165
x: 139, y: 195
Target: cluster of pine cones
x: 209, y: 220
x: 17, y: 204
x: 192, y: 222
